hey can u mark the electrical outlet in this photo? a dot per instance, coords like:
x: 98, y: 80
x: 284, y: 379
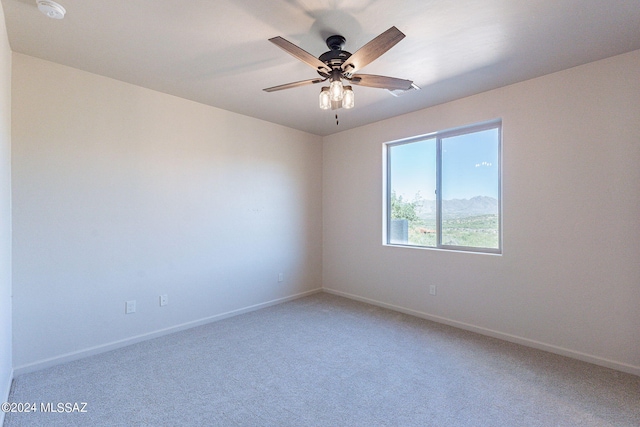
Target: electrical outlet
x: 130, y: 307
x: 432, y: 289
x: 164, y: 300
x: 281, y: 277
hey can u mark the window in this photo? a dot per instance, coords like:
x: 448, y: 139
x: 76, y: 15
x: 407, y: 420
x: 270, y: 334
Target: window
x: 443, y: 190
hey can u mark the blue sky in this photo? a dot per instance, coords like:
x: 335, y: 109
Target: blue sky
x: 469, y: 167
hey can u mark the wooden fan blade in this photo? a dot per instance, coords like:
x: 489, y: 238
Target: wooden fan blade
x: 300, y: 54
x: 294, y: 84
x: 372, y: 50
x: 381, y: 82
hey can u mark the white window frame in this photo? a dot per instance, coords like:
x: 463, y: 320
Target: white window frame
x: 438, y: 136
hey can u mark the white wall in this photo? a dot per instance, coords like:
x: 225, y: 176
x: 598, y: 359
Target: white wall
x: 122, y: 193
x: 569, y: 278
x: 5, y: 213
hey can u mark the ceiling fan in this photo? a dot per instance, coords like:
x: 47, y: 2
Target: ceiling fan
x: 337, y: 65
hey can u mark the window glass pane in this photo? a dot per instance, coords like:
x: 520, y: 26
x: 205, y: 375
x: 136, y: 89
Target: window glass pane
x: 470, y: 190
x: 412, y: 184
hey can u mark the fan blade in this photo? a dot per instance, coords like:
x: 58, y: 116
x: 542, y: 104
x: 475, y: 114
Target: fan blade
x: 381, y: 82
x: 294, y: 84
x: 372, y: 50
x: 300, y: 54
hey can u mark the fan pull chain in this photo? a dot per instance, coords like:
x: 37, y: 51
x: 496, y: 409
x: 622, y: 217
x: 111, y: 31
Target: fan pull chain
x: 337, y: 122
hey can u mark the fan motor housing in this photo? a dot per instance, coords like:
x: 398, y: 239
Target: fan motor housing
x: 336, y: 56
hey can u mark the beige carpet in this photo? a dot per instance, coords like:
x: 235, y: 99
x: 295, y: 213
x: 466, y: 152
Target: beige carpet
x: 328, y: 361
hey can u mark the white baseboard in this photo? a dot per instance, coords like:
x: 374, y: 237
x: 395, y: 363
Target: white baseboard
x: 68, y: 357
x: 623, y: 367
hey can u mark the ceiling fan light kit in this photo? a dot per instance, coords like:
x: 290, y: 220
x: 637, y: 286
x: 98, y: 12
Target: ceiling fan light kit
x: 336, y: 90
x: 345, y: 100
x: 325, y: 98
x: 348, y: 98
x: 337, y: 65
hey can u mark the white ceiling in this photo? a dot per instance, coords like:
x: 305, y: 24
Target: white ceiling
x: 217, y: 52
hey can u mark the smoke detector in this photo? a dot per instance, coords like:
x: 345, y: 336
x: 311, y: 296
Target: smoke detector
x: 51, y: 9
